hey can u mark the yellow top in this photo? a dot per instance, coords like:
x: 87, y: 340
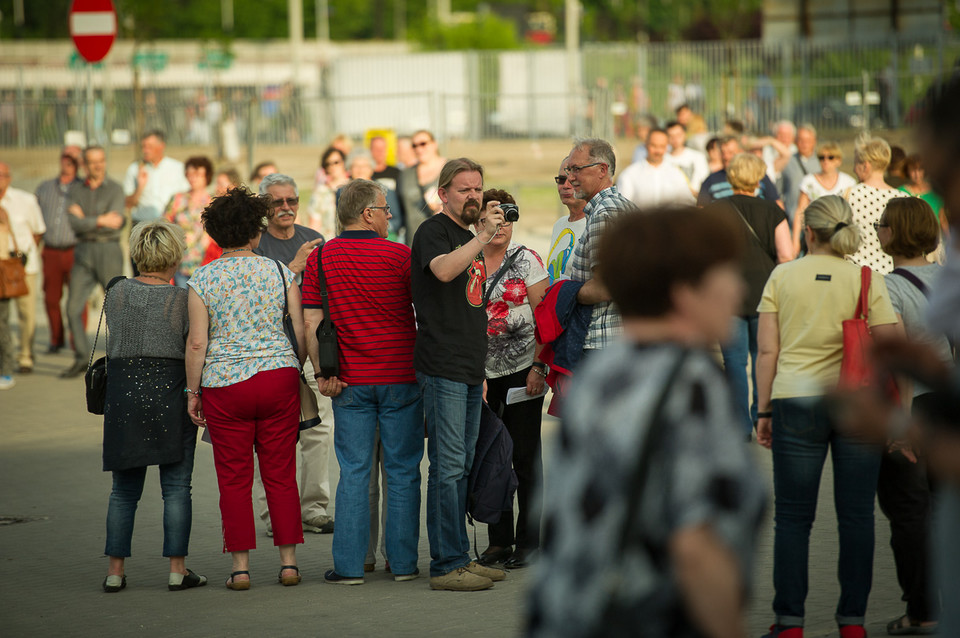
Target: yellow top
x: 812, y: 297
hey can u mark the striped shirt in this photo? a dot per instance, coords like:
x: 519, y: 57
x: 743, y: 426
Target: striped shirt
x: 603, y: 208
x: 368, y: 287
x: 52, y: 196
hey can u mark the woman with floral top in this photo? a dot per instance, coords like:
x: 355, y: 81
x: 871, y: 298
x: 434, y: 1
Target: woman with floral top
x: 513, y: 362
x: 184, y: 210
x: 243, y: 380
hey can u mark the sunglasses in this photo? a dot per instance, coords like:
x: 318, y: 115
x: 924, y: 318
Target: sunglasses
x: 291, y: 201
x: 573, y: 170
x: 826, y: 157
x: 419, y: 144
x: 560, y: 179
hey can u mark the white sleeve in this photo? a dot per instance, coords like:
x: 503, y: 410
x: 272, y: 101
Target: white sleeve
x: 130, y: 179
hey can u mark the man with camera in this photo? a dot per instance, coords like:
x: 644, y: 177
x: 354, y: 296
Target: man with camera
x: 448, y: 275
x: 372, y: 381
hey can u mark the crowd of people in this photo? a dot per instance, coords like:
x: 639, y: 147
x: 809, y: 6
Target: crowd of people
x: 764, y: 248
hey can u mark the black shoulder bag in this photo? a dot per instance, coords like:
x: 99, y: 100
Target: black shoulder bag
x: 287, y: 319
x: 95, y: 378
x: 329, y: 359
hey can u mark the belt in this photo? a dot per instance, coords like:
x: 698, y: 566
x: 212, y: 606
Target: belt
x: 99, y: 240
x: 45, y: 247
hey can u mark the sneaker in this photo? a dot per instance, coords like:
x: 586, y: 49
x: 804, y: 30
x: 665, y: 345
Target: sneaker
x: 399, y: 578
x: 7, y: 382
x: 460, y: 579
x: 319, y: 525
x: 334, y: 578
x: 486, y: 572
x: 180, y: 581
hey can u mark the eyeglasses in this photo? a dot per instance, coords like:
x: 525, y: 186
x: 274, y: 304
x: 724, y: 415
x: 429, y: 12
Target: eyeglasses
x: 572, y: 170
x: 419, y: 144
x: 560, y: 179
x: 385, y: 209
x: 826, y: 157
x: 332, y: 163
x: 877, y: 226
x: 291, y: 201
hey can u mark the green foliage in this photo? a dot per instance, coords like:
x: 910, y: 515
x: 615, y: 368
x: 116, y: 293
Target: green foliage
x: 486, y: 32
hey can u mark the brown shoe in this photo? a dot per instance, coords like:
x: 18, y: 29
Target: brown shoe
x: 460, y: 579
x: 487, y: 572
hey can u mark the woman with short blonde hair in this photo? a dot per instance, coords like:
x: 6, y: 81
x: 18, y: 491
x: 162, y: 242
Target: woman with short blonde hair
x: 829, y: 181
x: 867, y: 199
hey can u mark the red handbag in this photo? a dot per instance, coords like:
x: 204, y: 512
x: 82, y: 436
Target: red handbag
x: 856, y: 369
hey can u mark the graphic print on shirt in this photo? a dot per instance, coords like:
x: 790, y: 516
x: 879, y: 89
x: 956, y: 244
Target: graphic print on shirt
x: 561, y: 256
x: 477, y: 276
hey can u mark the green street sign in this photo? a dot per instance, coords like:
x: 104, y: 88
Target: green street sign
x: 215, y: 60
x: 150, y: 60
x: 76, y: 61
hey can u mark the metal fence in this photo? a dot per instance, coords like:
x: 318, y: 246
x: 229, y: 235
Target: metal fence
x: 477, y: 95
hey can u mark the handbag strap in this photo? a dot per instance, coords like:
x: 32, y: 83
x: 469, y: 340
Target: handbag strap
x: 504, y: 267
x: 750, y: 228
x: 802, y: 166
x: 863, y: 306
x: 283, y: 278
x: 322, y: 280
x: 103, y: 308
x: 912, y: 278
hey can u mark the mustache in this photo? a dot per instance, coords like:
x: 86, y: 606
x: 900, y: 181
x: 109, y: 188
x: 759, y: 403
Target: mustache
x: 471, y: 203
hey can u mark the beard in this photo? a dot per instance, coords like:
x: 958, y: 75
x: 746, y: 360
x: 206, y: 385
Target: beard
x: 471, y: 212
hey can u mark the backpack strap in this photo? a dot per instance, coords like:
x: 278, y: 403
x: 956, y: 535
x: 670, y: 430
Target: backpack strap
x: 912, y: 278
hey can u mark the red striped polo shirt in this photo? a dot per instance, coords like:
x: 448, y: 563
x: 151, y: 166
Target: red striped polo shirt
x: 368, y: 290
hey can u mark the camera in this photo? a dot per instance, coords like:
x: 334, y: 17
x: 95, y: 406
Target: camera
x: 511, y: 212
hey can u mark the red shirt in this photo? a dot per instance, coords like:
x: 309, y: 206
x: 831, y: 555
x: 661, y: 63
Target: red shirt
x: 368, y: 290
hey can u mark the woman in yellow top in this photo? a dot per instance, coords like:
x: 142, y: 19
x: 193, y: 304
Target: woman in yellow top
x: 801, y: 346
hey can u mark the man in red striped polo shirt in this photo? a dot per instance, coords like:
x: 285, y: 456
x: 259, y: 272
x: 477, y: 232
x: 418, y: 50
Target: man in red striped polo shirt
x: 368, y: 294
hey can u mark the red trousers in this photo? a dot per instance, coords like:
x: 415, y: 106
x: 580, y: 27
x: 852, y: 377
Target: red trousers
x: 57, y: 263
x: 262, y: 412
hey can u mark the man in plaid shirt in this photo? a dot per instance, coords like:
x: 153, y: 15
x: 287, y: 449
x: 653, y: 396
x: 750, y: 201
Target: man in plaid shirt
x: 590, y: 169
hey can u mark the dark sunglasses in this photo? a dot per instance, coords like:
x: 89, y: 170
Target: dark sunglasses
x: 826, y: 157
x: 560, y: 179
x: 419, y: 144
x: 291, y: 201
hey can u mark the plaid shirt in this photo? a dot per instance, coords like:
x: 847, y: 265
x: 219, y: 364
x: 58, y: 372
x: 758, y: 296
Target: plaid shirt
x: 603, y: 208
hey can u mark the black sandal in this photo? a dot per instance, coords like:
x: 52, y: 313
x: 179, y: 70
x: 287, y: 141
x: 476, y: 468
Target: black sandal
x: 288, y: 581
x: 238, y: 585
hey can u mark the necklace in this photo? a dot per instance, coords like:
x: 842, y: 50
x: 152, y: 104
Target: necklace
x: 166, y: 281
x: 233, y: 250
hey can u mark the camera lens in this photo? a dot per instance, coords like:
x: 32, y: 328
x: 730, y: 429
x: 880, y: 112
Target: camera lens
x: 511, y: 212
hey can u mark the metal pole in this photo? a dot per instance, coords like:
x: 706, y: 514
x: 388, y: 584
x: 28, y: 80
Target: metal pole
x: 226, y: 14
x: 89, y: 123
x: 572, y: 42
x: 323, y: 20
x: 863, y: 100
x: 400, y: 20
x: 295, y: 19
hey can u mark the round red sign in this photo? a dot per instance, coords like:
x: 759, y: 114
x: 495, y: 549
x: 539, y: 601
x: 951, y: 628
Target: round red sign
x: 93, y: 27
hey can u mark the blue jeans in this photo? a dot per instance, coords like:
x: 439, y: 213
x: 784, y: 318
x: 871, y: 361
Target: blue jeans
x: 452, y: 413
x: 743, y: 342
x: 177, y: 505
x: 399, y: 411
x: 802, y: 433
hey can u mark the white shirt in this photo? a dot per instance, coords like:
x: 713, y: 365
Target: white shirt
x: 26, y: 220
x: 164, y: 180
x: 564, y: 238
x: 770, y: 156
x: 647, y: 185
x: 693, y: 164
x: 813, y: 189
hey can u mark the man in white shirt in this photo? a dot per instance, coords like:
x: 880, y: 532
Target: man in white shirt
x: 692, y: 163
x: 152, y: 181
x: 654, y: 181
x: 566, y: 230
x: 27, y: 227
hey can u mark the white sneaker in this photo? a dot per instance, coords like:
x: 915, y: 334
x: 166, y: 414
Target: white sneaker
x: 7, y: 382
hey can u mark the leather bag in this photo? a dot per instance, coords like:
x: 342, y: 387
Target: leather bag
x: 857, y: 370
x: 13, y: 274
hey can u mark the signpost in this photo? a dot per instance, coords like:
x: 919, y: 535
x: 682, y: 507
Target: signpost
x: 93, y: 27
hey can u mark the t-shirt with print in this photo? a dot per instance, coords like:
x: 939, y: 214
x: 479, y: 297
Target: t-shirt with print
x: 868, y: 203
x: 451, y: 321
x: 285, y: 250
x: 244, y: 298
x: 562, y: 242
x: 911, y: 304
x: 511, y: 343
x: 368, y: 288
x: 699, y: 474
x: 813, y: 189
x: 812, y: 297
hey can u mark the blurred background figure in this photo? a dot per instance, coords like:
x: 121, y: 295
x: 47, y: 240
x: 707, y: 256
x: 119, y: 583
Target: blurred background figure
x: 360, y: 165
x: 227, y: 178
x: 260, y: 171
x: 184, y: 210
x: 829, y: 180
x: 871, y: 156
x: 322, y: 211
x: 419, y: 182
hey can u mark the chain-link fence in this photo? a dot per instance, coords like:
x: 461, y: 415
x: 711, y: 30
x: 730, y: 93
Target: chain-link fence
x: 476, y: 95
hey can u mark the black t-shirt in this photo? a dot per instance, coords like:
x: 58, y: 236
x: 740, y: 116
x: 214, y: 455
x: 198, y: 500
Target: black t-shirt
x: 760, y: 257
x: 451, y: 319
x: 389, y: 177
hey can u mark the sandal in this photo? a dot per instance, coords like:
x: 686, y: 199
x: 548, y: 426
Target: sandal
x: 238, y: 585
x: 113, y: 584
x: 903, y: 626
x: 288, y: 581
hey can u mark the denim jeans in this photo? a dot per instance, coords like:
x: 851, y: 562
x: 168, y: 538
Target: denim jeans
x: 743, y: 342
x: 802, y: 433
x: 399, y: 410
x: 452, y: 413
x: 177, y: 504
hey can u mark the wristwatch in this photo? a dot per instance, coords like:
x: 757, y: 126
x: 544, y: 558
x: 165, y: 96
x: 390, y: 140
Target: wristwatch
x: 541, y: 368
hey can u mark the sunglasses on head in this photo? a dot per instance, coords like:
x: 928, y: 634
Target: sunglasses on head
x: 826, y: 157
x: 560, y: 179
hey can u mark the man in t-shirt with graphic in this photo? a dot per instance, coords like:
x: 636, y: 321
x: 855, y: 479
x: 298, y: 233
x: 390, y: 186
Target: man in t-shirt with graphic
x: 291, y: 243
x: 566, y: 230
x: 447, y: 276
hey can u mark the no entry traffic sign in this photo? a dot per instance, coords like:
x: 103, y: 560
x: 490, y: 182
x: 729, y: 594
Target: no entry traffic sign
x: 93, y: 27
